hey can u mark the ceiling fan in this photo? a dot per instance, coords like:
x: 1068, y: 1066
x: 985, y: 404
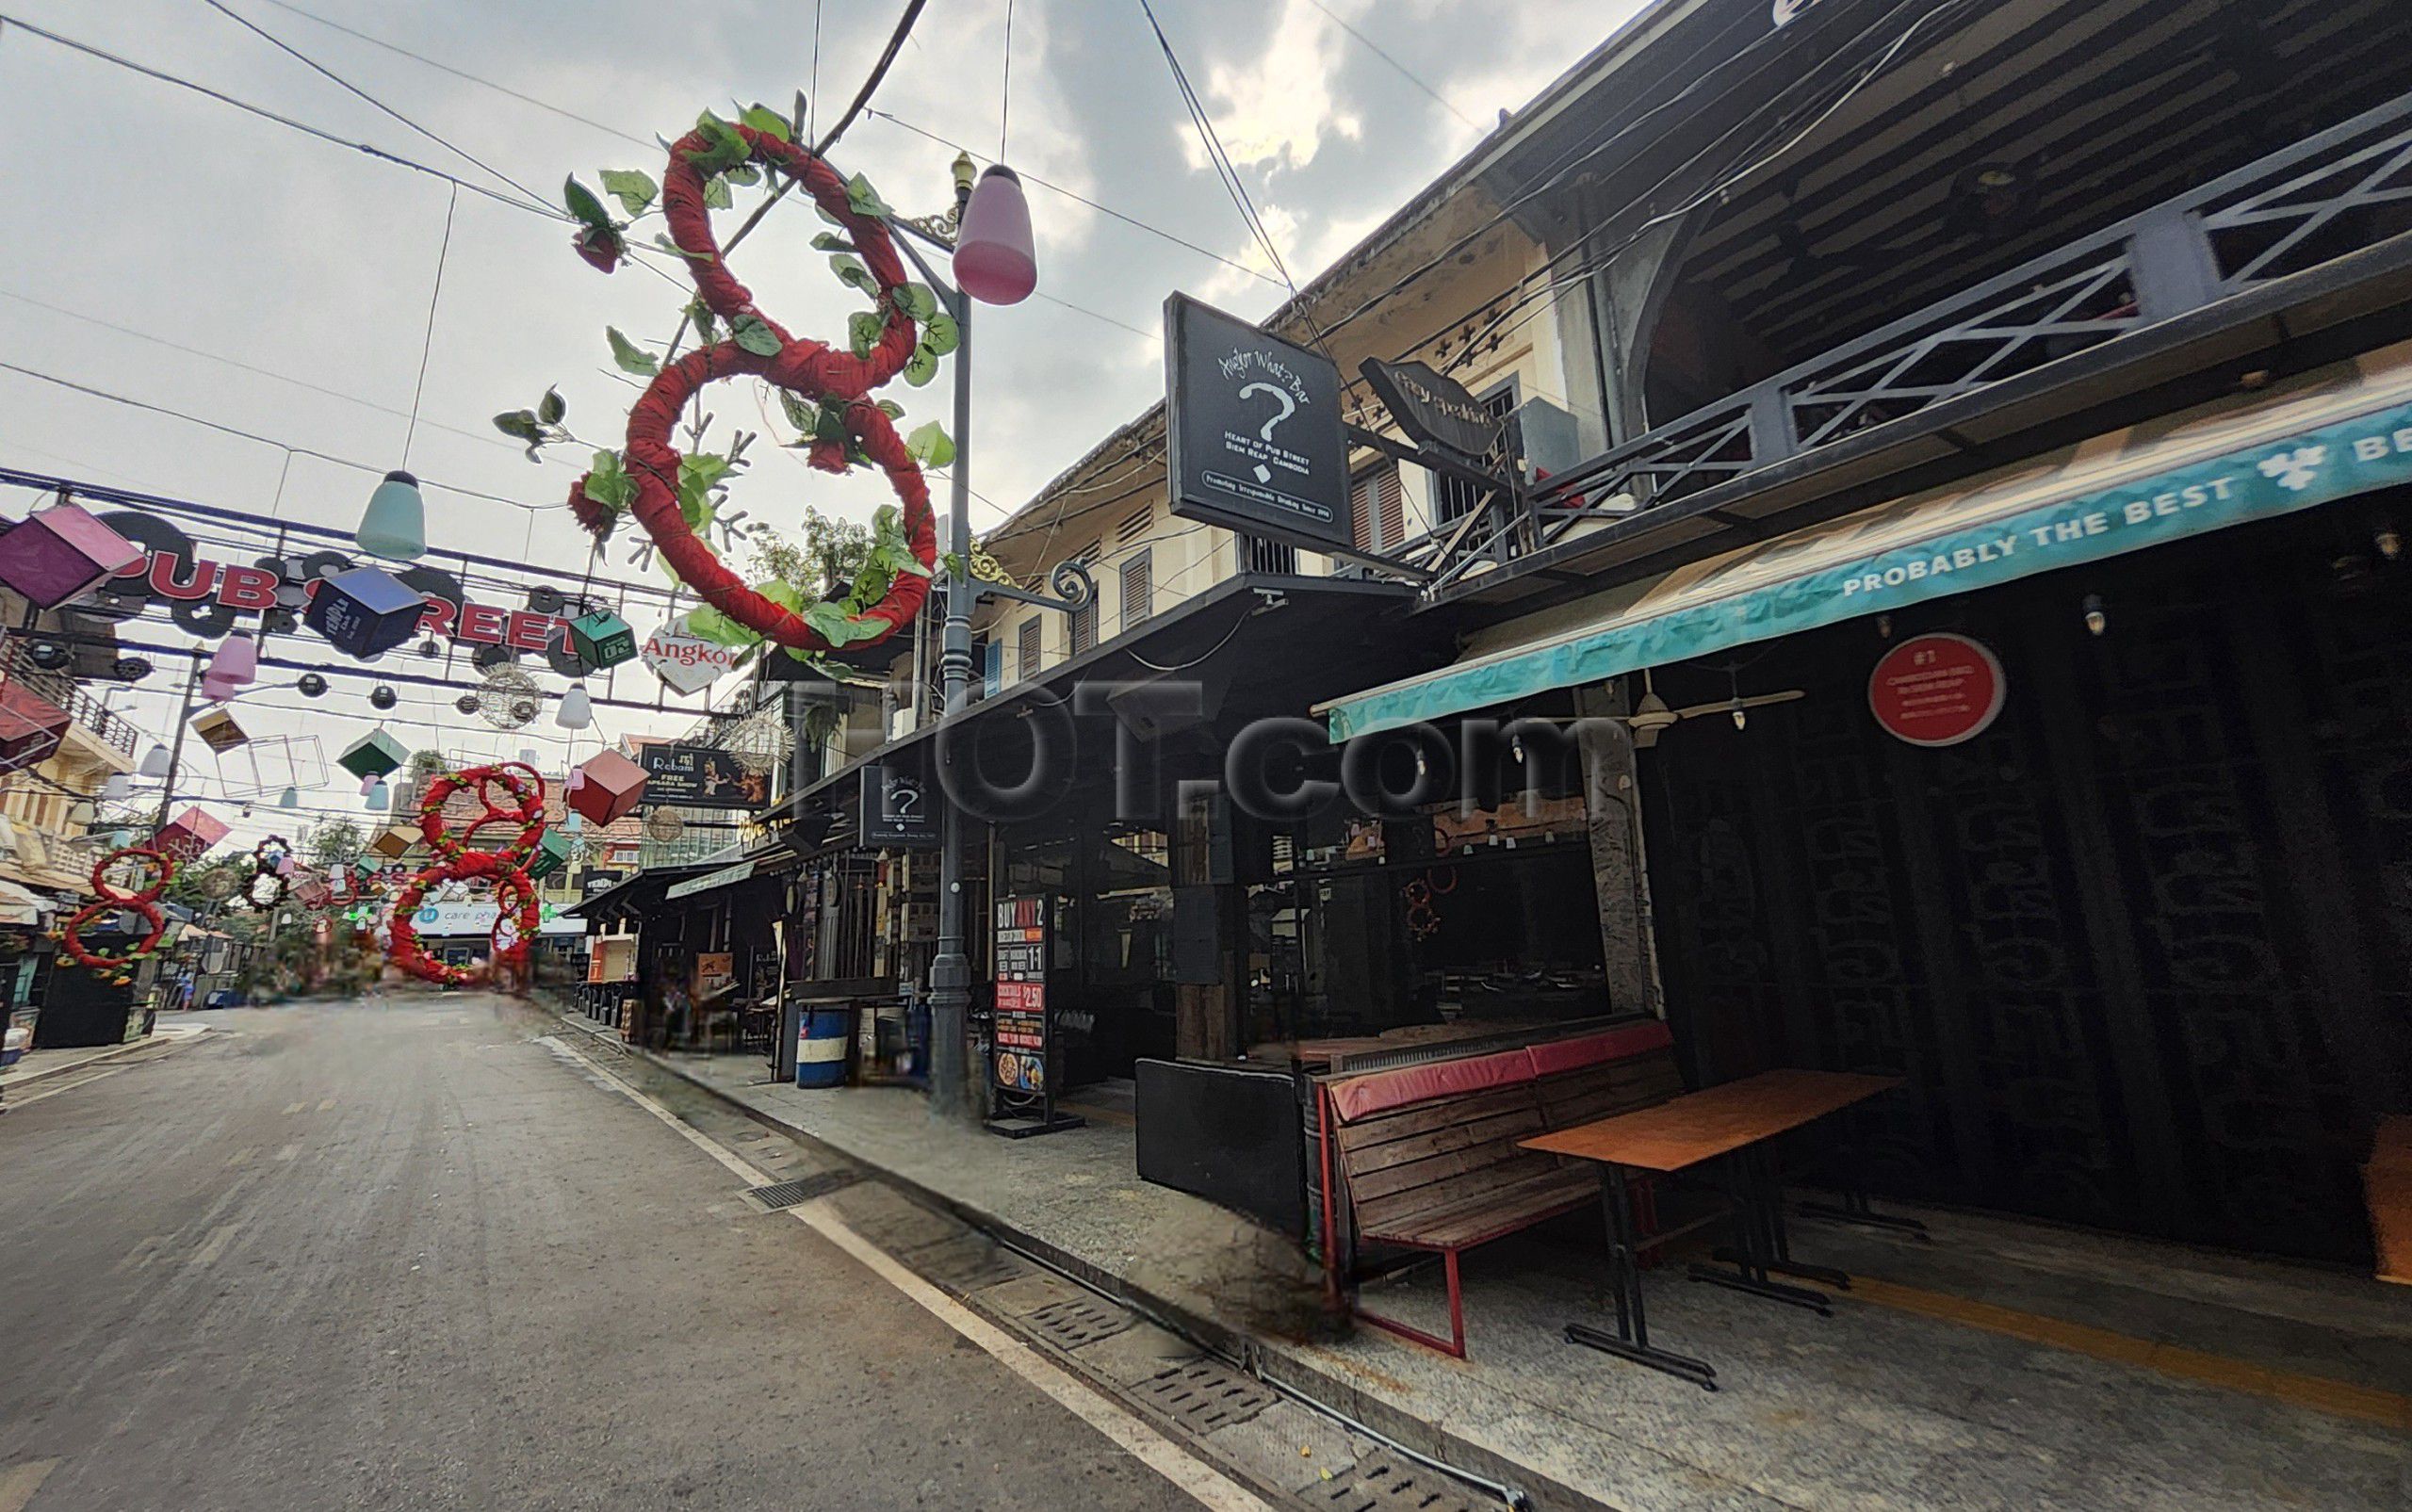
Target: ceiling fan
x: 1652, y: 718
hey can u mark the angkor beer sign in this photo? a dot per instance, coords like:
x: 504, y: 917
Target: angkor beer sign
x: 1252, y: 430
x: 206, y: 597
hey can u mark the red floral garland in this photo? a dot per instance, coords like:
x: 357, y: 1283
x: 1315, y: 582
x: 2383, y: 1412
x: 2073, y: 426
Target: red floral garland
x: 265, y: 857
x: 119, y: 968
x: 518, y: 912
x: 807, y: 369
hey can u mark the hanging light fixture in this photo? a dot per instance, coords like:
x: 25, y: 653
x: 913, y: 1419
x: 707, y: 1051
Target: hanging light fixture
x: 291, y: 798
x: 380, y: 797
x: 995, y: 261
x: 2096, y: 620
x: 573, y: 823
x: 394, y: 524
x: 311, y: 684
x: 382, y: 698
x: 118, y: 788
x: 155, y: 762
x: 577, y: 711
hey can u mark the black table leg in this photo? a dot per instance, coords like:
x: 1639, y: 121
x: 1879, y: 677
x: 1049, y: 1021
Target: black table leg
x: 1632, y: 1339
x: 1854, y: 1208
x: 1756, y: 1238
x: 1772, y: 1190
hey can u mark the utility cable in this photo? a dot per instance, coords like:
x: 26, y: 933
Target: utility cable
x: 427, y: 343
x: 1402, y: 70
x: 878, y: 72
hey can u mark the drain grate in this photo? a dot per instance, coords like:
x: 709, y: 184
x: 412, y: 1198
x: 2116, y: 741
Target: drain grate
x: 1380, y: 1483
x: 804, y: 1189
x: 967, y: 1264
x: 1202, y: 1397
x: 1077, y: 1321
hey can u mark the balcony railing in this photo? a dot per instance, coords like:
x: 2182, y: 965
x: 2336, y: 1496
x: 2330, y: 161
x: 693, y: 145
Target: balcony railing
x: 103, y: 724
x: 2327, y: 196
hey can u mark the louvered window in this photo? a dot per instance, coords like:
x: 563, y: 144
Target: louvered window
x: 1027, y: 651
x: 1377, y: 508
x: 1133, y: 529
x: 1138, y: 589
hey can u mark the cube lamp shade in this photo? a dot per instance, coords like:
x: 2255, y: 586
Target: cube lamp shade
x: 394, y: 843
x: 219, y: 731
x: 31, y: 727
x: 156, y: 762
x: 313, y: 892
x: 606, y: 788
x: 552, y: 853
x: 234, y: 663
x: 602, y: 640
x: 995, y: 260
x: 190, y: 834
x: 366, y: 612
x: 394, y: 524
x: 374, y: 755
x: 577, y: 712
x: 60, y: 554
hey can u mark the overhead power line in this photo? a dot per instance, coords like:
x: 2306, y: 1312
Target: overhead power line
x: 878, y: 72
x: 1402, y: 70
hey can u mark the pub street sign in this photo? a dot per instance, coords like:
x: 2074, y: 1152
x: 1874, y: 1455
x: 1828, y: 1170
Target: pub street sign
x: 1252, y: 431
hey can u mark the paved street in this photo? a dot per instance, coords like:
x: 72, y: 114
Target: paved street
x: 351, y: 1255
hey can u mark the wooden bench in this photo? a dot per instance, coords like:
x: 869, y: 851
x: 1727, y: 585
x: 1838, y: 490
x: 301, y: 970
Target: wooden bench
x: 1429, y: 1153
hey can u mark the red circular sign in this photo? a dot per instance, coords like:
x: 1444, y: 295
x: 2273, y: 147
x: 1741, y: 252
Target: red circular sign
x: 1936, y: 690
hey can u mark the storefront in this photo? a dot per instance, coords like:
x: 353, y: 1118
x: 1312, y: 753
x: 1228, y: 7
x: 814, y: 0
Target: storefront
x: 2075, y: 796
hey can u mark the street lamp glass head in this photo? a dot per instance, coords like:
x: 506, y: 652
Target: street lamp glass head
x: 118, y: 788
x: 155, y: 762
x: 394, y: 524
x: 995, y: 259
x: 577, y: 712
x: 291, y: 798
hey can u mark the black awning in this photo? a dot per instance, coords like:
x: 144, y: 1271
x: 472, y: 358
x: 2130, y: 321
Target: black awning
x: 1268, y: 644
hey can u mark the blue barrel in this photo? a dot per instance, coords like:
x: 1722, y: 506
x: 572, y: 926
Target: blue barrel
x: 820, y: 1039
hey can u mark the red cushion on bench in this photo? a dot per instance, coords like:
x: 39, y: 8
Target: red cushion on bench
x: 1376, y: 1091
x: 1591, y: 1049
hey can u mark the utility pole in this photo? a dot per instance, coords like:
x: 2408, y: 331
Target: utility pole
x: 951, y: 1097
x: 176, y: 747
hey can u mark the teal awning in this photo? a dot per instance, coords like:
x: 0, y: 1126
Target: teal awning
x: 2324, y: 435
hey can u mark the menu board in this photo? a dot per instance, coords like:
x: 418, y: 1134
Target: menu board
x: 1019, y: 1062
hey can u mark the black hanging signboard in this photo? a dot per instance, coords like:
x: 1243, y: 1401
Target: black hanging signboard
x: 898, y: 809
x: 1252, y: 429
x: 1021, y: 1055
x: 1433, y: 408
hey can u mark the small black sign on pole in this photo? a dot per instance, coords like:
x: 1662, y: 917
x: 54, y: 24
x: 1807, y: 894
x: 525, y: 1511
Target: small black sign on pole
x: 1021, y: 1060
x: 898, y: 809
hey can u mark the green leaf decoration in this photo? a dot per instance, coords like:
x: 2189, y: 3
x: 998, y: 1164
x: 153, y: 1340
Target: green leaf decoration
x: 825, y: 213
x: 755, y: 335
x: 631, y: 357
x: 716, y: 195
x: 520, y: 425
x: 584, y: 205
x: 919, y: 301
x: 608, y: 483
x: 784, y: 594
x: 744, y: 173
x: 832, y: 425
x: 864, y: 200
x: 863, y: 329
x: 634, y: 190
x: 669, y: 246
x: 921, y: 367
x: 699, y: 315
x: 723, y: 147
x: 829, y: 241
x: 802, y: 412
x: 552, y: 407
x: 942, y: 335
x: 930, y: 444
x: 830, y: 622
x: 706, y: 623
x: 891, y: 409
x: 852, y: 272
x: 767, y: 121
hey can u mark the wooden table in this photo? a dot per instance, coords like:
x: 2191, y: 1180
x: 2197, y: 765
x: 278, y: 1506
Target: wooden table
x: 1730, y: 1125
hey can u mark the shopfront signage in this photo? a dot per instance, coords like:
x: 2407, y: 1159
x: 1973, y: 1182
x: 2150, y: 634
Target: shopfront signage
x: 709, y: 880
x: 715, y: 973
x: 700, y: 776
x: 477, y: 919
x: 897, y: 809
x: 1936, y: 690
x: 1433, y: 408
x: 688, y: 663
x: 1252, y: 430
x: 1018, y: 1063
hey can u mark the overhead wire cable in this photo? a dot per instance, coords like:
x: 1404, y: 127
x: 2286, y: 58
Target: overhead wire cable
x: 878, y: 73
x: 1401, y: 69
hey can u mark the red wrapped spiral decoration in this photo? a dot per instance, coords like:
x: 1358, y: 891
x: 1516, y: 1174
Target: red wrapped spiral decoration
x: 520, y: 807
x: 810, y: 369
x: 144, y: 902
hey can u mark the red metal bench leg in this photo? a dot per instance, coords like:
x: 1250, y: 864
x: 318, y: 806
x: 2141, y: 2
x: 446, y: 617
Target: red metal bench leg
x: 1455, y: 1345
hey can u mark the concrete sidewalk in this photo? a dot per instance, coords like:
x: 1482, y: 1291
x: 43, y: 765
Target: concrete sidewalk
x: 36, y: 1065
x: 1951, y: 1377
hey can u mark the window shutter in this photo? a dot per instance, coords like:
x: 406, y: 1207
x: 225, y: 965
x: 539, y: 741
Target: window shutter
x: 1377, y: 508
x: 1028, y: 650
x: 992, y: 673
x: 1138, y: 589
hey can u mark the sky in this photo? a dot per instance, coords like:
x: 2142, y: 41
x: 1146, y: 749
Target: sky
x: 301, y: 268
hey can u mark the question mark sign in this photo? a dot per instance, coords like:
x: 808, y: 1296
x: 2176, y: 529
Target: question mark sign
x: 1289, y: 408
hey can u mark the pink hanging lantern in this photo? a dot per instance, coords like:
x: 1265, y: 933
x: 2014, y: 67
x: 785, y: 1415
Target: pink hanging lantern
x: 236, y: 663
x: 995, y: 259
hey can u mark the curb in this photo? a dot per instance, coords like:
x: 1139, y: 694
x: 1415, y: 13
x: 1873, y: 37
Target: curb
x: 27, y: 1079
x: 1269, y: 1358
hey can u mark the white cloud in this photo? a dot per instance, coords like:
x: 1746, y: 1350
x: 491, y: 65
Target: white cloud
x: 1274, y: 109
